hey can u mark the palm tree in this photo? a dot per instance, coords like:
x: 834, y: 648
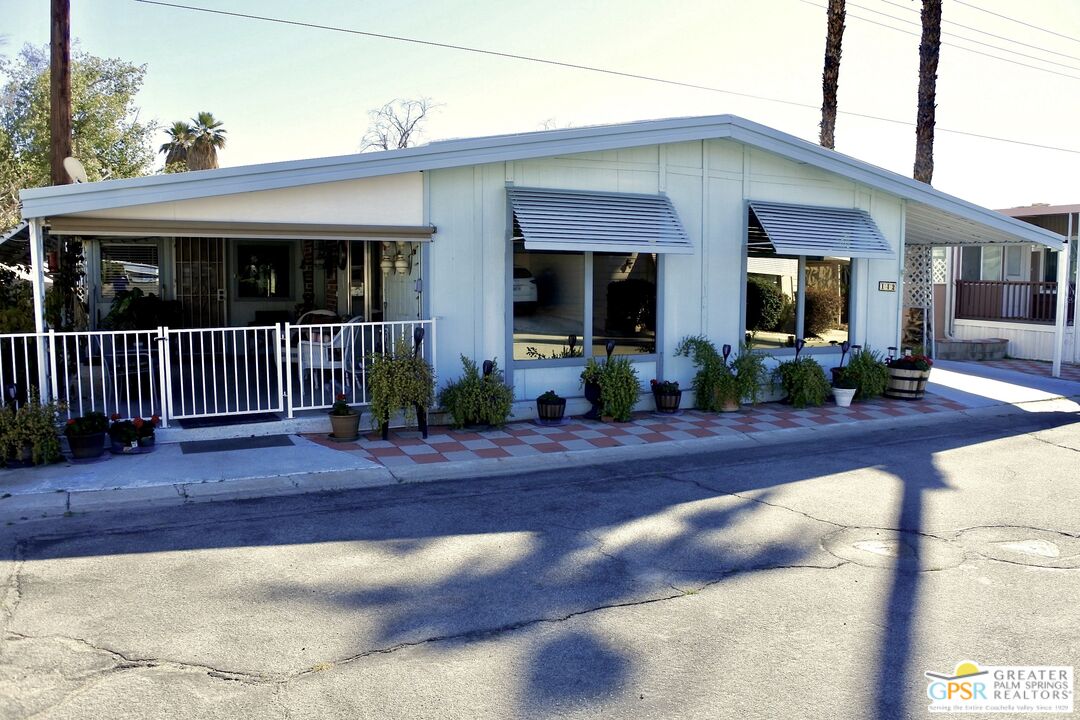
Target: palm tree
x: 929, y: 49
x: 830, y: 77
x: 207, y: 137
x: 176, y: 149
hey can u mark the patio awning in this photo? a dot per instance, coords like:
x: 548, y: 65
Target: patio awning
x: 598, y: 222
x: 15, y: 246
x: 815, y: 231
x: 123, y: 227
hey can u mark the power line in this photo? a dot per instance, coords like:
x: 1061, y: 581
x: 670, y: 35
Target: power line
x: 589, y: 68
x: 953, y: 45
x: 1018, y: 22
x: 989, y: 34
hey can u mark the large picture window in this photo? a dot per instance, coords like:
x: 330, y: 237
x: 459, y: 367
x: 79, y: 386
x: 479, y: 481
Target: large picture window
x: 791, y: 297
x: 555, y: 294
x: 263, y: 270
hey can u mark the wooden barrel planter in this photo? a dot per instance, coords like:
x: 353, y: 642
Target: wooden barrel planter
x: 550, y: 411
x: 907, y: 384
x: 667, y: 401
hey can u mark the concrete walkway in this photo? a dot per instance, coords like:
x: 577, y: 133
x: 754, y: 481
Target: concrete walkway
x: 187, y: 470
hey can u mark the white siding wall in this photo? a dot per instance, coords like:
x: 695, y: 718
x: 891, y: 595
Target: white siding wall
x: 1026, y: 341
x: 708, y: 182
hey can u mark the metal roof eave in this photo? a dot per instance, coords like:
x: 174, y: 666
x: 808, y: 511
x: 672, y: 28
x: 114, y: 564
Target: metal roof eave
x: 67, y: 199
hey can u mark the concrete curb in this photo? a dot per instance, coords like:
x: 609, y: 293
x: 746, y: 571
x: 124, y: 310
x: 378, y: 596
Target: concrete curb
x: 34, y: 506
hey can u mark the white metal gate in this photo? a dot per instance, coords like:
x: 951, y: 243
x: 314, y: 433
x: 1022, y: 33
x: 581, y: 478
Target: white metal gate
x: 224, y: 371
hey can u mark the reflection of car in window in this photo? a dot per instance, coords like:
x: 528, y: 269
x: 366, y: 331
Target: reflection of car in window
x: 524, y: 292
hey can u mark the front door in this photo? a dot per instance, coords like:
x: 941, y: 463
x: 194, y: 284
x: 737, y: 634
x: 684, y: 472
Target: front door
x: 200, y: 281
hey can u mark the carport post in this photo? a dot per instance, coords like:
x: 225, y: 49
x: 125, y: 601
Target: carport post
x: 1062, y: 306
x: 37, y: 279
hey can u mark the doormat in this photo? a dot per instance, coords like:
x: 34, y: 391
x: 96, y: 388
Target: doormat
x: 192, y: 447
x: 226, y: 420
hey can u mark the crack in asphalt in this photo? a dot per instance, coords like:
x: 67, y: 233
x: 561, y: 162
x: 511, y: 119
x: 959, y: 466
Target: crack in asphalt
x: 13, y: 591
x: 1033, y: 436
x: 124, y: 662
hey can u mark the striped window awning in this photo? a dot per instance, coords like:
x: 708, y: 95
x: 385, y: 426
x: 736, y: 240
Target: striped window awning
x: 815, y: 231
x: 597, y: 222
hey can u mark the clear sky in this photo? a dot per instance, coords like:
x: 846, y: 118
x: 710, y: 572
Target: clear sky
x: 288, y: 92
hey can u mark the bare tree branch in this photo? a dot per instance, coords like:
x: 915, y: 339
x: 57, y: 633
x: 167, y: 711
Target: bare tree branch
x: 397, y: 124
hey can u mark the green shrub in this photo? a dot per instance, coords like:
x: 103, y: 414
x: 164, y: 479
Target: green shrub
x: 821, y: 312
x: 476, y: 399
x: 619, y: 388
x: 33, y: 425
x: 717, y: 382
x: 868, y: 371
x: 764, y: 303
x: 803, y: 381
x: 399, y: 381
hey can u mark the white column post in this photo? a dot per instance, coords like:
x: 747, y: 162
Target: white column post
x: 37, y: 279
x: 1062, y: 305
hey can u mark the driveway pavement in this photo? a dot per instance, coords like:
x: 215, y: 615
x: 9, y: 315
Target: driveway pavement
x: 798, y: 579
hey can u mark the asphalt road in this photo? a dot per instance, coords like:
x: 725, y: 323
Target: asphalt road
x: 796, y: 580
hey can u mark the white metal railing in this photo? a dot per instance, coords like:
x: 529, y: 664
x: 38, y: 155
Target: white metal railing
x: 114, y: 372
x: 179, y: 374
x: 330, y: 359
x: 19, y: 371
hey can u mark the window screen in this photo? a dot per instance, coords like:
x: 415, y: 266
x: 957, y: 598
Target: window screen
x: 128, y: 266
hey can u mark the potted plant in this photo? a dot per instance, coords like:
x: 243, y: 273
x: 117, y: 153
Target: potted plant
x: 30, y: 433
x: 844, y: 348
x: 478, y: 399
x: 86, y: 435
x: 667, y: 396
x: 590, y: 379
x: 907, y: 376
x: 619, y: 388
x: 844, y: 386
x: 144, y: 432
x: 400, y: 381
x: 868, y: 371
x: 123, y: 435
x: 722, y: 383
x: 802, y: 379
x: 344, y: 420
x: 550, y: 408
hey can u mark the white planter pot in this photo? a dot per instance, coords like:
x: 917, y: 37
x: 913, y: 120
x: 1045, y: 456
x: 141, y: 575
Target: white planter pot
x: 843, y: 396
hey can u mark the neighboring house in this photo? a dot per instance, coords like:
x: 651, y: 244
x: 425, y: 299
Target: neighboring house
x: 635, y: 234
x: 1012, y: 292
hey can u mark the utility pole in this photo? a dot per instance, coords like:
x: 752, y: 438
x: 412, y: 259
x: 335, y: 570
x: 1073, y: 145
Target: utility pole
x: 60, y: 90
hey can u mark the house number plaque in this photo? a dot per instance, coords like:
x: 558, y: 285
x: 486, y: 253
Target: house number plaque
x: 886, y: 285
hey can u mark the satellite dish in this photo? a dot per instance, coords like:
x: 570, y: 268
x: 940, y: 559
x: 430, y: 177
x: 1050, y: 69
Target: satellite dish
x: 75, y: 170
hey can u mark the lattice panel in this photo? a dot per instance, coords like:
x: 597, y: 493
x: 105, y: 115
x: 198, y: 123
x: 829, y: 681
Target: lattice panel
x: 918, y: 276
x: 939, y: 266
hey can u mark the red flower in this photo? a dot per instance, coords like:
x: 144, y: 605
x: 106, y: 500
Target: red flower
x: 137, y: 422
x: 71, y: 421
x: 114, y: 416
x: 341, y: 396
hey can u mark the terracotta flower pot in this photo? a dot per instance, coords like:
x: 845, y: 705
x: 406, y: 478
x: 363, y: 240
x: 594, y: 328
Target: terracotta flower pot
x: 345, y: 427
